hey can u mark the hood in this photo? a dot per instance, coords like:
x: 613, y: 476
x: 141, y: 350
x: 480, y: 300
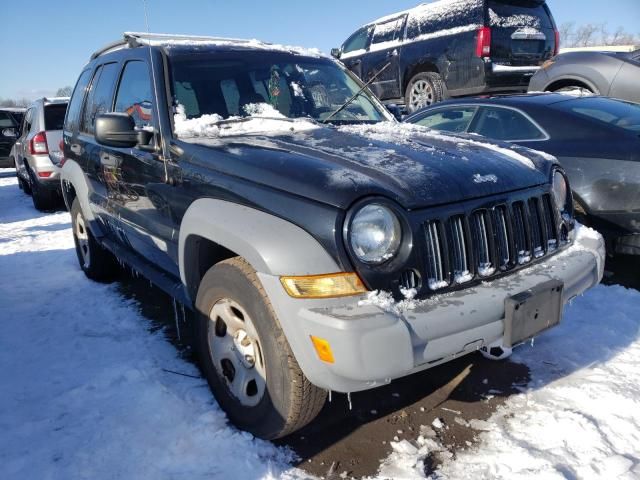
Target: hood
x: 410, y: 164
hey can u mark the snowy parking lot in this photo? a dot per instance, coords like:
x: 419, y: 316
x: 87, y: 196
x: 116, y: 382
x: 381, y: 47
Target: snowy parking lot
x: 92, y: 389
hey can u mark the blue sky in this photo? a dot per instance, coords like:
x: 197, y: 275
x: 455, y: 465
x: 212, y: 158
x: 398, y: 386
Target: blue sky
x: 45, y: 44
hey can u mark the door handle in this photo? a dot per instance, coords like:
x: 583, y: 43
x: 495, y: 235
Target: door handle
x: 355, y: 63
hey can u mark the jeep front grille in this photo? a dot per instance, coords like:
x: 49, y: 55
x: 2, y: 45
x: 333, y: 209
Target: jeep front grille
x: 490, y: 240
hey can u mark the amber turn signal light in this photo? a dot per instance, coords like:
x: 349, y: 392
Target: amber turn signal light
x: 323, y: 286
x: 323, y: 349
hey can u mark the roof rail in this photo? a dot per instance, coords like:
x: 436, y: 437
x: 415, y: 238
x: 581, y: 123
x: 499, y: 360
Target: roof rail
x: 136, y: 39
x: 110, y: 46
x: 170, y: 36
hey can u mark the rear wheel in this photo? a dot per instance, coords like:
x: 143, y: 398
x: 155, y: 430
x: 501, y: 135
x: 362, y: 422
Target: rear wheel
x: 96, y: 262
x: 246, y: 358
x: 23, y: 184
x: 423, y: 90
x: 43, y: 198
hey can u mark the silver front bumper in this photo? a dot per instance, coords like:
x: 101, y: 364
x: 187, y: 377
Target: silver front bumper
x: 373, y: 346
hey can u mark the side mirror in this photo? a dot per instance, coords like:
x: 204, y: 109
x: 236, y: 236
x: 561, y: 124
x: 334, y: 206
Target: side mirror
x: 118, y: 130
x: 395, y: 110
x: 336, y: 53
x: 10, y: 132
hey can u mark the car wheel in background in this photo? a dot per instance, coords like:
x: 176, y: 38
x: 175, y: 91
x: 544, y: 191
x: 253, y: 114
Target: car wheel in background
x: 23, y: 184
x: 96, y: 262
x: 246, y: 358
x: 576, y: 90
x: 43, y: 198
x: 423, y: 90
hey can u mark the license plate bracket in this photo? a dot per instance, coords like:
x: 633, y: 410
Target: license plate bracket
x: 532, y: 312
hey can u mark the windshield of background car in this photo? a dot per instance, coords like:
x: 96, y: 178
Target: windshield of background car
x: 54, y: 116
x: 297, y: 87
x: 612, y: 112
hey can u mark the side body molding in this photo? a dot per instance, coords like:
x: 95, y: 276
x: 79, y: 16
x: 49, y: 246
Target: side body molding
x: 270, y: 244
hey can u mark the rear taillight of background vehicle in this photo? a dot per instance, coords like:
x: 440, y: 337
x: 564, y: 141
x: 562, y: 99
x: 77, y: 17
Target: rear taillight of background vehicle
x: 62, y: 157
x: 38, y: 144
x: 483, y: 42
x: 556, y: 49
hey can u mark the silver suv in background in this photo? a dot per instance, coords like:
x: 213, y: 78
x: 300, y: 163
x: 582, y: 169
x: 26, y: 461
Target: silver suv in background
x: 37, y: 152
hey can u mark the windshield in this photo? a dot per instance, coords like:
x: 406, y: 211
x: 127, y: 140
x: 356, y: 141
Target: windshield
x: 230, y: 85
x: 612, y: 112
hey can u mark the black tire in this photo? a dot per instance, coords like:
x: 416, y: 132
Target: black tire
x: 44, y: 199
x: 289, y: 401
x: 23, y: 184
x: 424, y: 89
x: 95, y: 261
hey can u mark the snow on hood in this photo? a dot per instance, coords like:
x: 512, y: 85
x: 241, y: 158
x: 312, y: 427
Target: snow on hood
x: 406, y: 134
x: 262, y: 118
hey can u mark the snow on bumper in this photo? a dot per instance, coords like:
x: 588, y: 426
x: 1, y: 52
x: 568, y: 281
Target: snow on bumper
x: 374, y: 341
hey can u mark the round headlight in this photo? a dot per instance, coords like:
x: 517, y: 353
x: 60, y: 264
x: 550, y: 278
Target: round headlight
x: 560, y: 190
x: 375, y: 234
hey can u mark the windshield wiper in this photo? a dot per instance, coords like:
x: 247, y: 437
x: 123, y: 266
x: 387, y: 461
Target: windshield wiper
x: 357, y: 94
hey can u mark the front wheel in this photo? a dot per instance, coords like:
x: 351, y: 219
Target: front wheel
x: 246, y: 358
x: 423, y: 90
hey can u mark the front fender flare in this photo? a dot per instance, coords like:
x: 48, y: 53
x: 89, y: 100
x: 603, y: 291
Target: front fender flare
x: 270, y: 244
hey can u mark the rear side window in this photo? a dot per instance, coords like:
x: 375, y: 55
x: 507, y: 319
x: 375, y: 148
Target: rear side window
x: 134, y: 94
x: 73, y: 112
x: 100, y: 96
x: 432, y: 18
x: 505, y: 124
x: 519, y: 13
x: 54, y: 116
x: 357, y: 41
x: 28, y: 121
x: 616, y: 113
x: 6, y: 120
x: 455, y: 119
x: 388, y: 31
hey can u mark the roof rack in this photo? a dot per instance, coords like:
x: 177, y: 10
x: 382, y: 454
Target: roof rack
x: 137, y: 39
x: 170, y: 36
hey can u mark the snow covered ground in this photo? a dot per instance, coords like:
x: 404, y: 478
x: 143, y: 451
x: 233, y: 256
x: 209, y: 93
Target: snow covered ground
x: 83, y: 390
x: 85, y: 393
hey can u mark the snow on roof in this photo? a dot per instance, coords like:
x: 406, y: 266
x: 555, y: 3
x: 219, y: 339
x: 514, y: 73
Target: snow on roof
x: 439, y: 9
x: 168, y: 40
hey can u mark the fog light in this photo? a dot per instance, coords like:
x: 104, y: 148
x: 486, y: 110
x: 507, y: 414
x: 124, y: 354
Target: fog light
x: 323, y: 349
x: 323, y: 286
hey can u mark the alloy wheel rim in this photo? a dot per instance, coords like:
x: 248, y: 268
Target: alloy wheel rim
x: 235, y: 351
x: 83, y: 241
x: 421, y: 95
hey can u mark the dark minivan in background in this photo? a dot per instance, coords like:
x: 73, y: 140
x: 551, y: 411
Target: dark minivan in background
x: 452, y: 48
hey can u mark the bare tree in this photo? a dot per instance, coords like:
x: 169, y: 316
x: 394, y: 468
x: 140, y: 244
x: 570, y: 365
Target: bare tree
x: 567, y: 33
x: 586, y: 35
x: 64, y: 91
x: 592, y: 34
